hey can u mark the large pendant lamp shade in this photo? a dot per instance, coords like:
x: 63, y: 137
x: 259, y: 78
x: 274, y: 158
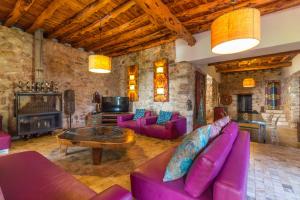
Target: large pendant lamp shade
x: 236, y: 31
x: 99, y: 64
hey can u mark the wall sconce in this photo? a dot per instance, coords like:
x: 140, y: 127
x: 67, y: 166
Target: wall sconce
x: 133, y: 87
x: 131, y: 77
x: 160, y: 91
x: 161, y: 81
x: 159, y: 70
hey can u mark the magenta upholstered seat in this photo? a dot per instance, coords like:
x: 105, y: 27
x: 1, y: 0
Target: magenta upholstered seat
x: 5, y: 139
x: 232, y: 181
x: 173, y: 129
x: 126, y: 121
x: 208, y: 164
x: 147, y: 182
x: 115, y: 192
x: 29, y: 175
x: 227, y: 180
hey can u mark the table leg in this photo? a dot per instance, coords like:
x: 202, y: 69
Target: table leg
x: 96, y: 154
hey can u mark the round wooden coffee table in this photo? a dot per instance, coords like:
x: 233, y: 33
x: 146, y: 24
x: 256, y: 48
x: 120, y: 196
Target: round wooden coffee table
x: 97, y: 138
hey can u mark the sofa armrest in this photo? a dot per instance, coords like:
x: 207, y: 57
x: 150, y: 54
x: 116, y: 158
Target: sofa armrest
x: 115, y: 192
x: 231, y: 182
x: 177, y: 126
x: 149, y: 120
x: 125, y: 117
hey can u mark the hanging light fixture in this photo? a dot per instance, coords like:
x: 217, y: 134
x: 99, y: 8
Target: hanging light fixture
x: 248, y: 83
x: 99, y: 63
x: 236, y: 31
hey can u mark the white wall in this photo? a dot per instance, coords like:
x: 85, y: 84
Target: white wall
x: 211, y: 71
x: 280, y: 32
x: 288, y: 71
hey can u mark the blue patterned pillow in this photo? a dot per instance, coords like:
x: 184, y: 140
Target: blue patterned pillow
x: 139, y: 113
x: 186, y: 152
x: 163, y: 117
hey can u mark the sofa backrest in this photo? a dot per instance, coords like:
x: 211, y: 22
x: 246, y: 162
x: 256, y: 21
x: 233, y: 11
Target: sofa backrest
x: 175, y: 115
x: 148, y: 113
x: 231, y: 182
x: 209, y: 163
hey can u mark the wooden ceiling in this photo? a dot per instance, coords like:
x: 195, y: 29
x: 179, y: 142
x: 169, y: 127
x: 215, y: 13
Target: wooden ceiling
x: 127, y: 25
x: 273, y: 61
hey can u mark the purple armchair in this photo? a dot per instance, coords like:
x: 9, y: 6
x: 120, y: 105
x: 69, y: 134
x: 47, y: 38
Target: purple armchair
x: 173, y: 129
x: 5, y: 140
x: 126, y: 121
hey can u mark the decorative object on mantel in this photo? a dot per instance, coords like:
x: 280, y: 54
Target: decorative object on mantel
x: 97, y: 100
x: 133, y: 87
x: 226, y: 99
x: 33, y: 87
x: 99, y: 63
x: 161, y: 81
x: 236, y: 31
x: 248, y: 83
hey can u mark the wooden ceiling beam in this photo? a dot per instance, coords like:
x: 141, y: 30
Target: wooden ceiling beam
x: 94, y: 39
x: 46, y: 14
x: 21, y: 7
x: 100, y: 23
x: 124, y: 37
x: 149, y: 44
x: 137, y: 41
x: 160, y: 15
x: 255, y: 67
x: 77, y: 20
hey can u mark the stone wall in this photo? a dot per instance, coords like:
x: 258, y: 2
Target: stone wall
x: 232, y: 84
x: 291, y: 98
x: 212, y: 95
x: 66, y: 65
x: 15, y: 65
x: 181, y: 77
x: 69, y: 68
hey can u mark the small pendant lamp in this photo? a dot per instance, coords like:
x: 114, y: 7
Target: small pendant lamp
x: 236, y: 31
x: 99, y: 63
x: 248, y: 83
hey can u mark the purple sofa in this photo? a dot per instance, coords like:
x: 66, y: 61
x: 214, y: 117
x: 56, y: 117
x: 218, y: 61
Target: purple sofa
x: 218, y: 173
x: 126, y: 121
x: 29, y: 175
x: 173, y: 129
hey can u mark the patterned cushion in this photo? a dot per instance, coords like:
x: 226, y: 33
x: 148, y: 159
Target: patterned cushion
x: 185, y: 153
x: 163, y: 117
x: 139, y: 113
x: 215, y: 131
x: 222, y: 122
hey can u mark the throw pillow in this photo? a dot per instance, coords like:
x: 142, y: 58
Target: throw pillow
x: 139, y: 113
x: 163, y: 117
x: 185, y: 153
x: 215, y: 131
x: 222, y: 122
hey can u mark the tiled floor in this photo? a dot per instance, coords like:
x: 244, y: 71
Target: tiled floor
x: 274, y: 169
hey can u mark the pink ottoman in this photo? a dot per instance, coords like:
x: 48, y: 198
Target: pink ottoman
x: 4, y: 142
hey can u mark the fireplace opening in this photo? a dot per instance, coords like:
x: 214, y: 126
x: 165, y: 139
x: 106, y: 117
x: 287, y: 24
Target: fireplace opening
x: 245, y: 103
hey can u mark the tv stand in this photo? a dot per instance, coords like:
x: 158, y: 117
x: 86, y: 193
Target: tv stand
x: 103, y: 119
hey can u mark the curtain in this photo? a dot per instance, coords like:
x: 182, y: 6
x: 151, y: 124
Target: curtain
x: 273, y: 93
x: 200, y: 114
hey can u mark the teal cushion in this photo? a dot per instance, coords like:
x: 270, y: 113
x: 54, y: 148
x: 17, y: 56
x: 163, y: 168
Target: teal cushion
x: 139, y: 113
x: 163, y: 117
x: 186, y: 152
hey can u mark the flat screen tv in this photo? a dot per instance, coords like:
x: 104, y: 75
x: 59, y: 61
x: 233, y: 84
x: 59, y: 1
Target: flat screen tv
x: 115, y: 104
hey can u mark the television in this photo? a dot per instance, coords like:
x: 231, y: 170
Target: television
x: 115, y: 104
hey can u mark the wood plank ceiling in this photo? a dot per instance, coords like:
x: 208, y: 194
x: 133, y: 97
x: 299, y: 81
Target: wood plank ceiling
x: 127, y: 25
x: 273, y: 61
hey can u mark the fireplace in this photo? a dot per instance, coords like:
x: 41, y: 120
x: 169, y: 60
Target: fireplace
x: 245, y: 103
x: 38, y: 113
